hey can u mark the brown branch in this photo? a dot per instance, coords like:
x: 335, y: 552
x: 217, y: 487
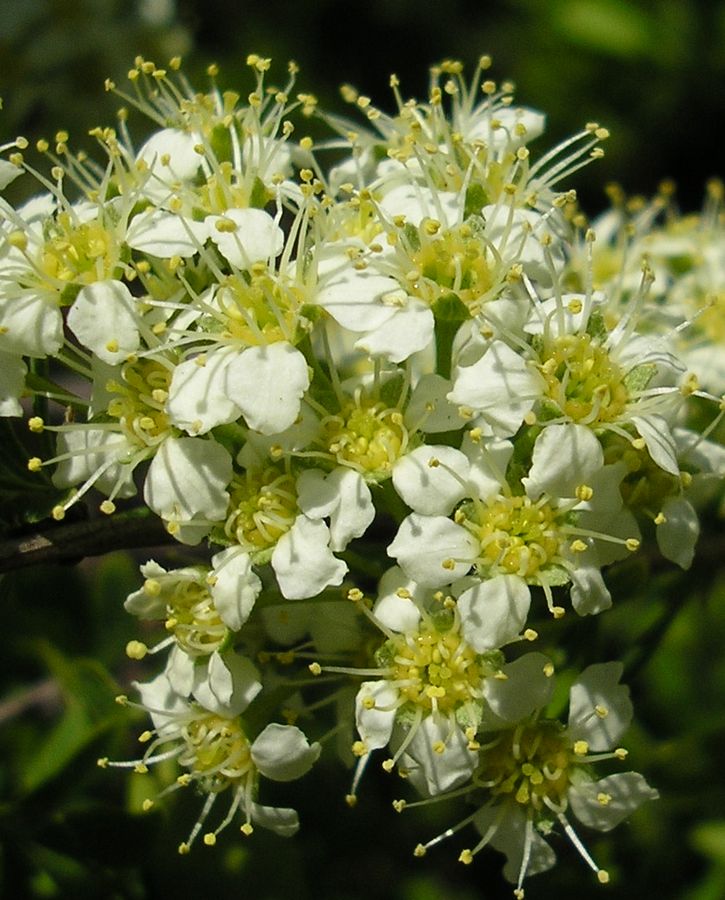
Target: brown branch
x: 73, y: 542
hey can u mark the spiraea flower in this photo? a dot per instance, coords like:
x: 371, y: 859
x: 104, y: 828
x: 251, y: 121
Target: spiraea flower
x: 210, y: 744
x: 534, y: 772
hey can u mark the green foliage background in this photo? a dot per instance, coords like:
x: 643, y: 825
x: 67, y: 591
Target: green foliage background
x: 653, y: 72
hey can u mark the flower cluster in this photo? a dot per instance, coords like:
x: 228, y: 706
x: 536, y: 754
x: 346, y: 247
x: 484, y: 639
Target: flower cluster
x: 410, y: 400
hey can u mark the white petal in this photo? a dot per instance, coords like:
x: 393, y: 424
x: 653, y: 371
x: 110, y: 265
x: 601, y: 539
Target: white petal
x: 281, y: 820
x: 343, y: 496
x: 397, y: 613
x: 432, y: 490
x: 407, y: 331
x: 357, y: 302
x: 255, y: 238
x: 624, y: 791
x: 8, y: 173
x: 500, y: 387
x: 375, y: 725
x: 661, y: 445
x: 166, y: 234
x: 589, y: 593
x: 30, y: 324
x: 599, y: 706
x: 199, y: 395
x: 267, y: 384
x: 489, y: 459
x: 104, y: 318
x: 424, y: 543
x: 234, y: 586
x: 527, y: 688
x: 170, y: 156
x: 303, y: 562
x: 678, y: 534
x: 92, y: 450
x: 516, y: 837
x: 428, y: 409
x: 494, y: 611
x: 565, y: 456
x: 187, y: 479
x: 442, y: 771
x: 283, y: 753
x: 163, y: 702
x: 228, y: 686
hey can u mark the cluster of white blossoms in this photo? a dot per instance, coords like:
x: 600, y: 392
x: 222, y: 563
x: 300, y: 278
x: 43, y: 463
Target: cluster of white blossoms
x: 410, y: 401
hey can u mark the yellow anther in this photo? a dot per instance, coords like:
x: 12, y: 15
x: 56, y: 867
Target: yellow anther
x: 399, y: 805
x: 581, y: 748
x: 660, y: 518
x: 58, y: 513
x: 419, y: 851
x: 601, y: 711
x: 35, y: 464
x: 140, y: 768
x: 603, y: 799
x: 388, y: 765
x: 584, y: 492
x: 136, y: 650
x: 558, y: 611
x: 359, y: 748
x: 36, y: 424
x: 351, y: 800
x: 210, y: 839
x: 145, y: 737
x: 639, y: 443
x: 621, y: 753
x: 465, y: 857
x: 439, y: 747
x: 152, y: 587
x: 577, y: 546
x: 369, y: 702
x: 122, y: 700
x: 183, y: 848
x: 632, y: 544
x: 184, y: 780
x: 530, y: 634
x: 107, y: 507
x: 102, y: 762
x: 603, y: 876
x: 355, y: 594
x: 147, y: 804
x: 246, y: 829
x: 315, y: 668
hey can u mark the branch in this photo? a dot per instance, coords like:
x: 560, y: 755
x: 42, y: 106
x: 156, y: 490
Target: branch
x: 73, y: 542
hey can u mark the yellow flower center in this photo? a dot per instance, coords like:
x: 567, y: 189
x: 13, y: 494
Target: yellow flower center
x: 193, y: 619
x: 435, y: 667
x: 530, y: 763
x: 260, y: 310
x: 367, y: 437
x: 516, y: 535
x: 217, y: 752
x: 455, y: 261
x: 581, y: 379
x: 78, y: 253
x: 263, y: 507
x: 139, y: 406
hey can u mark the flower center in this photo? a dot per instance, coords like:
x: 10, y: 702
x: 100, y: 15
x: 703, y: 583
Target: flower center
x: 457, y: 261
x: 193, y: 619
x: 80, y: 253
x: 259, y: 309
x: 582, y: 380
x: 217, y: 752
x: 263, y: 507
x: 367, y: 438
x: 529, y: 763
x: 435, y: 667
x: 516, y: 535
x: 139, y: 406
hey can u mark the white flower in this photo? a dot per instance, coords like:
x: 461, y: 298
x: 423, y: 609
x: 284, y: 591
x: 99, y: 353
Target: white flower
x: 213, y: 749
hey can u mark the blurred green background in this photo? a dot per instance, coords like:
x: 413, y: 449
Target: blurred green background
x: 653, y: 71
